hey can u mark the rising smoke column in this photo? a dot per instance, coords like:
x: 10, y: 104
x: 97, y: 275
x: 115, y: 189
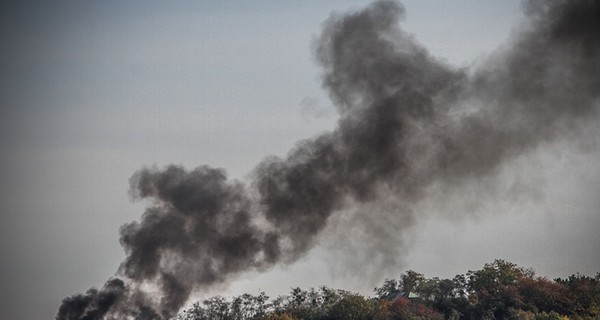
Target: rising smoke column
x: 407, y: 122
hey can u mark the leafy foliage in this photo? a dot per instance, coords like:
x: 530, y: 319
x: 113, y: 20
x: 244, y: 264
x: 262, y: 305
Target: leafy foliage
x: 500, y: 290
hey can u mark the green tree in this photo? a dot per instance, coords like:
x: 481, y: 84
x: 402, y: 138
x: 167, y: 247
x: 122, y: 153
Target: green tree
x: 353, y: 307
x: 411, y: 281
x: 389, y: 286
x: 584, y: 292
x: 492, y: 290
x: 217, y: 308
x: 500, y: 290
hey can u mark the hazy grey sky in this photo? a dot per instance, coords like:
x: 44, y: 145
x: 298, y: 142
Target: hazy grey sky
x: 93, y: 91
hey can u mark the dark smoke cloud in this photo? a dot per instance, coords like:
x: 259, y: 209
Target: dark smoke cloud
x: 94, y: 303
x: 407, y: 122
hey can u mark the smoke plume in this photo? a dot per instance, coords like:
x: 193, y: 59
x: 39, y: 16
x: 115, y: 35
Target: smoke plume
x: 407, y: 122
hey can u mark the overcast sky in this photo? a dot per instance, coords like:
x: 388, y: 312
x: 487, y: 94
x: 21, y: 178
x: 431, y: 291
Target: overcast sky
x: 94, y: 91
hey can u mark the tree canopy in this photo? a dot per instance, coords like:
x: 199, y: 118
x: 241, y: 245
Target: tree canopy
x: 500, y: 290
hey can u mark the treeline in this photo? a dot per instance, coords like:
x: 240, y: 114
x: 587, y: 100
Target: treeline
x: 500, y: 290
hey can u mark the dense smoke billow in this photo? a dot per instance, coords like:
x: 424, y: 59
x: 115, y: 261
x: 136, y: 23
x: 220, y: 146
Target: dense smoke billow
x: 407, y: 122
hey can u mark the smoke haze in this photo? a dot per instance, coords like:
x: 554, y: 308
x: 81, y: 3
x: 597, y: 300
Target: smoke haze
x: 408, y: 122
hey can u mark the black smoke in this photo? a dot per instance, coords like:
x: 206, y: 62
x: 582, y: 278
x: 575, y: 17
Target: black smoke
x: 407, y: 122
x: 94, y: 304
